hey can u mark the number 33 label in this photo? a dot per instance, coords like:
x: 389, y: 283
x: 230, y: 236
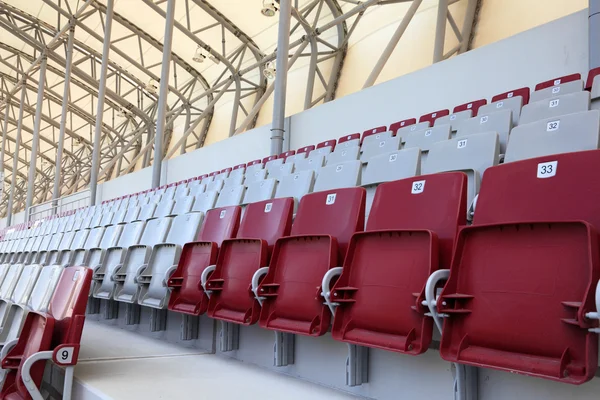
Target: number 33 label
x: 547, y: 169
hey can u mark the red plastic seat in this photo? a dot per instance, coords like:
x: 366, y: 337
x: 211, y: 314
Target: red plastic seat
x: 523, y: 92
x: 473, y: 105
x: 59, y: 331
x: 590, y: 78
x: 557, y: 81
x: 410, y: 233
x: 324, y: 224
x: 254, y: 162
x: 347, y: 138
x: 431, y: 117
x: 401, y: 124
x: 240, y: 166
x: 187, y: 295
x: 287, y: 154
x: 374, y: 131
x: 231, y: 297
x: 521, y: 278
x: 269, y: 158
x: 306, y: 149
x: 328, y: 143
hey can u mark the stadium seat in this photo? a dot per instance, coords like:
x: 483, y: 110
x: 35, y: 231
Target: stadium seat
x: 424, y: 139
x: 555, y: 106
x: 20, y: 294
x: 410, y: 233
x: 404, y: 132
x: 187, y: 296
x: 98, y: 241
x: 313, y: 162
x: 523, y: 92
x: 183, y: 205
x: 349, y: 141
x: 472, y: 155
x: 401, y: 124
x: 593, y: 85
x: 296, y: 185
x: 254, y: 176
x: 234, y: 180
x: 205, y: 201
x: 324, y: 148
x: 341, y: 154
x: 454, y: 119
x: 54, y: 335
x: 564, y: 134
x: 227, y: 287
x: 499, y: 122
x: 276, y: 169
x: 513, y: 104
x: 164, y: 259
x: 338, y: 176
x: 77, y: 241
x: 556, y: 87
x: 431, y: 117
x: 533, y: 244
x: 147, y: 212
x: 112, y: 259
x: 215, y: 186
x: 376, y: 147
x: 290, y: 292
x: 259, y: 191
x: 124, y: 282
x: 231, y: 196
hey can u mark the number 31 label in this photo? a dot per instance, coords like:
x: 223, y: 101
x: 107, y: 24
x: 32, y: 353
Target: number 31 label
x: 547, y: 169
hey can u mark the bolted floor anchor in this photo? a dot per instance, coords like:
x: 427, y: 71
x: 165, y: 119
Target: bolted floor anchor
x: 190, y: 327
x: 284, y: 349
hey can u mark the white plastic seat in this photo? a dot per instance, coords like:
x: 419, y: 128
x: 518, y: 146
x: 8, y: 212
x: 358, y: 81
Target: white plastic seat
x: 259, y: 191
x: 215, y: 186
x: 564, y: 134
x: 78, y: 255
x: 197, y: 188
x: 472, y: 155
x: 231, y: 196
x: 153, y: 291
x: 376, y: 138
x: 339, y: 176
x: 312, y: 162
x: 255, y: 175
x: 233, y: 180
x: 374, y: 148
x: 205, y: 201
x: 169, y: 193
x: 236, y: 173
x: 348, y: 144
x: 276, y: 169
x: 66, y: 254
x: 221, y: 176
x: 296, y: 185
x: 426, y: 138
x: 10, y: 281
x: 147, y: 211
x: 20, y: 294
x: 181, y: 191
x: 499, y: 122
x: 183, y: 205
x: 252, y: 169
x: 124, y: 282
x: 557, y: 90
x: 322, y: 151
x: 453, y: 119
x: 42, y: 255
x: 164, y: 208
x: 64, y: 244
x: 403, y: 132
x: 104, y: 283
x: 94, y: 255
x: 555, y: 106
x: 513, y: 104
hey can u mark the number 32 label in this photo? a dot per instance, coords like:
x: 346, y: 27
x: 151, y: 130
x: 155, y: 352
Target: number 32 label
x: 547, y: 169
x: 418, y: 187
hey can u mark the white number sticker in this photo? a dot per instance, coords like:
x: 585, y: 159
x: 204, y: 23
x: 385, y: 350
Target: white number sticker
x: 393, y: 157
x: 552, y: 126
x: 282, y: 167
x: 554, y: 103
x: 64, y: 355
x: 556, y: 82
x: 555, y: 89
x: 412, y: 128
x: 381, y: 144
x: 461, y: 144
x: 338, y: 168
x: 547, y: 169
x: 452, y: 117
x: 75, y: 275
x: 349, y: 137
x: 428, y: 132
x: 418, y: 187
x: 296, y: 177
x: 310, y: 160
x: 222, y: 215
x: 262, y: 184
x: 330, y: 199
x: 378, y: 136
x: 344, y: 153
x: 433, y: 115
x: 484, y: 119
x: 509, y: 95
x: 470, y: 105
x: 499, y: 104
x: 268, y: 207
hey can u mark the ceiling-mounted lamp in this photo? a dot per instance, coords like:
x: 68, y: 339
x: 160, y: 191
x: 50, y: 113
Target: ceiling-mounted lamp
x: 152, y: 86
x: 213, y: 58
x: 270, y: 70
x: 199, y: 56
x: 270, y: 8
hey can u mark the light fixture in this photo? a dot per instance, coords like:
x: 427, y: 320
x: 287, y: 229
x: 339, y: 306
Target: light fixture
x: 270, y: 70
x: 213, y: 58
x: 123, y: 112
x: 270, y: 8
x: 199, y: 57
x: 152, y: 86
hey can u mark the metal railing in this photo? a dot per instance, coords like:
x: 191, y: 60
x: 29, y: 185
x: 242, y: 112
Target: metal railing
x: 66, y: 203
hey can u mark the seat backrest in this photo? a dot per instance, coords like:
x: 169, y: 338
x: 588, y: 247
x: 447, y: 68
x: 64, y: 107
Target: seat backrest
x: 373, y: 148
x: 267, y: 220
x: 431, y: 117
x: 557, y: 89
x: 392, y: 166
x: 183, y: 205
x: 66, y: 240
x: 184, y: 228
x: 341, y: 154
x: 130, y: 235
x: 156, y: 231
x: 279, y: 170
x: 205, y: 201
x: 545, y: 186
x: 10, y: 280
x: 258, y: 174
x: 79, y: 239
x: 435, y: 202
x: 252, y: 168
x: 68, y: 304
x: 234, y: 180
x: 107, y: 217
x: 499, y: 122
x: 181, y: 190
x: 112, y: 235
x: 296, y: 185
x: 555, y: 106
x: 513, y: 104
x: 238, y: 171
x: 396, y: 126
x: 341, y: 175
x: 197, y: 188
x: 376, y: 137
x: 473, y: 106
x: 164, y: 208
x: 215, y: 186
x: 349, y: 140
x: 133, y: 214
x: 313, y: 162
x: 454, y: 119
x: 259, y: 191
x: 523, y: 92
x: 23, y: 287
x: 147, y: 211
x: 220, y: 224
x: 94, y: 237
x: 425, y: 138
x: 44, y: 288
x: 567, y: 133
x: 338, y: 212
x: 55, y: 241
x: 231, y: 196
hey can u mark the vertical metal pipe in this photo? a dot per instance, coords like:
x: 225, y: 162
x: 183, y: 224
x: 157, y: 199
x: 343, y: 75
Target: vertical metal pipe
x: 36, y: 135
x: 63, y: 118
x: 283, y: 44
x: 468, y: 25
x: 4, y: 134
x: 161, y: 116
x: 594, y: 33
x: 188, y: 120
x: 101, y: 94
x: 389, y: 49
x: 440, y: 31
x: 13, y: 181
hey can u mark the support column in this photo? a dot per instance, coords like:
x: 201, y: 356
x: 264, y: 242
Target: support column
x: 63, y: 119
x: 281, y: 65
x: 13, y: 181
x: 161, y: 116
x: 440, y: 31
x: 101, y: 94
x: 594, y: 33
x: 36, y: 135
x: 4, y: 134
x: 389, y: 49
